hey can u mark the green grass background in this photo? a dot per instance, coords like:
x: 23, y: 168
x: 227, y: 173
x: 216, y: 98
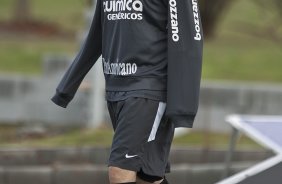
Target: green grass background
x: 103, y: 137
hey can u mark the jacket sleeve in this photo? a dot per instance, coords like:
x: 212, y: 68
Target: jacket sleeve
x: 185, y: 49
x: 86, y: 58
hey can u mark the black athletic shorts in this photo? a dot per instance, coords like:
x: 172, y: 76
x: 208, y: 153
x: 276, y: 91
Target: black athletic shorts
x: 143, y: 136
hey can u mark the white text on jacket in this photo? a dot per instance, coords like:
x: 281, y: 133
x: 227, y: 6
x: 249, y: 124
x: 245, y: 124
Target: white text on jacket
x: 174, y: 20
x: 123, y: 9
x: 119, y: 68
x: 198, y: 35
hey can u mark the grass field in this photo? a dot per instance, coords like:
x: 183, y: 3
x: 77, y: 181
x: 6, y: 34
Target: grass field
x: 24, y: 54
x: 67, y: 13
x: 25, y: 57
x: 103, y: 137
x: 242, y: 49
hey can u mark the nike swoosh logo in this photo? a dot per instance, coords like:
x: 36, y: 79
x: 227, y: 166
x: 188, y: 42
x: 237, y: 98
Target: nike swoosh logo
x: 130, y: 156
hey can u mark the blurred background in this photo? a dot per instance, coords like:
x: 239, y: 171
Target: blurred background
x: 39, y: 39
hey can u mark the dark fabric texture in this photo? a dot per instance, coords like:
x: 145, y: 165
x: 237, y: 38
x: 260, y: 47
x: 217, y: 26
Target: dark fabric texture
x: 123, y: 95
x: 184, y: 64
x: 164, y: 181
x: 61, y: 99
x: 151, y: 45
x: 86, y: 58
x: 133, y: 121
x: 148, y: 178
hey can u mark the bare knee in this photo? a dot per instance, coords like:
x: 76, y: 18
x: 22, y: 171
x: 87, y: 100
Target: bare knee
x: 118, y: 175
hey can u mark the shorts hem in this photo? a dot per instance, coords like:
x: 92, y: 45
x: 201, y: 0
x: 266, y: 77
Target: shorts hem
x: 137, y: 169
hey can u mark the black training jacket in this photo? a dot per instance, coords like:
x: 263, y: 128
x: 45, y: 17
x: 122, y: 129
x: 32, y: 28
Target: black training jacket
x: 145, y: 45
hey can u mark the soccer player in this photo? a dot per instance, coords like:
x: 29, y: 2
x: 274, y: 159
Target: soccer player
x: 152, y: 57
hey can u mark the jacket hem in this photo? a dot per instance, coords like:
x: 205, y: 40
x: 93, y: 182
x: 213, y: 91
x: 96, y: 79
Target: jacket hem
x: 136, y: 83
x: 61, y: 100
x: 185, y: 121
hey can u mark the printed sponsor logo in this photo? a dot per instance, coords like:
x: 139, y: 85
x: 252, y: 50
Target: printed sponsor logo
x: 123, y: 9
x: 130, y: 156
x: 198, y: 35
x: 174, y: 20
x: 119, y: 68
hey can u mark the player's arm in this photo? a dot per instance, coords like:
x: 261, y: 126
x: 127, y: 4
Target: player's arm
x: 86, y: 58
x: 185, y: 47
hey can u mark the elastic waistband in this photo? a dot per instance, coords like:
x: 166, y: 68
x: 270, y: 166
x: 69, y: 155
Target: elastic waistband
x: 135, y: 83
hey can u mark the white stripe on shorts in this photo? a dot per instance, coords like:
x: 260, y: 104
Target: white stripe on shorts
x: 158, y: 118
